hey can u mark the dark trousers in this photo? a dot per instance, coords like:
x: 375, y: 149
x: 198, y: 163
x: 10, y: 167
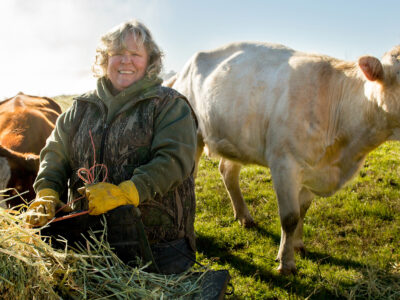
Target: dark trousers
x: 173, y: 257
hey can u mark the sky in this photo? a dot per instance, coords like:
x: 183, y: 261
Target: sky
x: 48, y: 46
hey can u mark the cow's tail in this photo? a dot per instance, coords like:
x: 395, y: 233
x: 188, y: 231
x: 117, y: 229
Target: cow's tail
x: 170, y: 82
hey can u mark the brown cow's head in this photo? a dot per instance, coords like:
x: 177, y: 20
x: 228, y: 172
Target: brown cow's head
x: 5, y: 175
x: 20, y: 171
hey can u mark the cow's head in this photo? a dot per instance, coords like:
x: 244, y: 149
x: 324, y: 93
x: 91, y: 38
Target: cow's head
x: 5, y: 175
x: 18, y: 170
x: 383, y: 82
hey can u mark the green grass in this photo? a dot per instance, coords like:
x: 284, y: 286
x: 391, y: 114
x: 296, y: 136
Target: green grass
x: 64, y: 101
x: 352, y: 238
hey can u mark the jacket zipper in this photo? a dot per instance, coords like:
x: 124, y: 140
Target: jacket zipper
x: 103, y: 141
x: 106, y: 128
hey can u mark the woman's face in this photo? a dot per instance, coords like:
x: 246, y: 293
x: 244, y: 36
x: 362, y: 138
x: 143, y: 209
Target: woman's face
x: 127, y: 66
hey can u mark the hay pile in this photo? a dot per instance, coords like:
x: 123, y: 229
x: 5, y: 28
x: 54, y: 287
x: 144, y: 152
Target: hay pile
x: 31, y: 269
x: 377, y: 284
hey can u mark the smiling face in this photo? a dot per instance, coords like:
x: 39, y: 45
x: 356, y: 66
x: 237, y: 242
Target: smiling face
x: 127, y: 65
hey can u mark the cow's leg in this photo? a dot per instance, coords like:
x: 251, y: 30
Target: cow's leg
x: 230, y: 173
x: 286, y: 186
x: 199, y: 151
x: 305, y: 198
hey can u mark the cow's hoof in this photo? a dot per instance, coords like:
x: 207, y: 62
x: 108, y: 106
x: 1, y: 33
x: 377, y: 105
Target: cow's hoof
x: 287, y: 270
x: 301, y: 250
x: 247, y: 223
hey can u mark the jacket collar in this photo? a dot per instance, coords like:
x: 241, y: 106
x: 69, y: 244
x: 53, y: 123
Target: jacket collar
x: 138, y: 90
x: 143, y: 89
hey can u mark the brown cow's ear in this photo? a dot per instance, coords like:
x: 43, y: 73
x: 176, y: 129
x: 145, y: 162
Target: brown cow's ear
x: 371, y: 67
x: 32, y: 162
x: 27, y: 161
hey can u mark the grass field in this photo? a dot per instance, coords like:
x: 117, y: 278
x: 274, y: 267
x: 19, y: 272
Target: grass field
x: 352, y: 238
x: 65, y: 101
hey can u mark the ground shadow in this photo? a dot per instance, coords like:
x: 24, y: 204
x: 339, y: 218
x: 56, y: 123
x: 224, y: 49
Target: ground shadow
x: 295, y: 284
x: 276, y: 238
x: 317, y: 257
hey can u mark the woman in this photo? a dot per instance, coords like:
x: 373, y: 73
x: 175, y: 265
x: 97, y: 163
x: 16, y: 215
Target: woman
x: 145, y: 135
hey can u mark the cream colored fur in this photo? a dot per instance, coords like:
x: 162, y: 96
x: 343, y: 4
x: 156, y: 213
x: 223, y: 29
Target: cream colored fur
x: 311, y: 118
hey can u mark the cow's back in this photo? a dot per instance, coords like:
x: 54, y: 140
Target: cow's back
x: 241, y: 82
x: 26, y: 122
x: 47, y: 106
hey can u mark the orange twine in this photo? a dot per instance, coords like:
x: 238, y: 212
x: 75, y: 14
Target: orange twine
x: 91, y: 178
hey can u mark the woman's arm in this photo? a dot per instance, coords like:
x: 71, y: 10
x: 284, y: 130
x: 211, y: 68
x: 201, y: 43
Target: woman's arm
x: 173, y: 149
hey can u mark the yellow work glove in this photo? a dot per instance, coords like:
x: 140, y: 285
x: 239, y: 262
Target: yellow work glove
x: 44, y: 207
x: 104, y: 196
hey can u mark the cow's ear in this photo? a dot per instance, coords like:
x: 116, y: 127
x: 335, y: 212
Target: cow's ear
x: 32, y: 162
x: 371, y: 67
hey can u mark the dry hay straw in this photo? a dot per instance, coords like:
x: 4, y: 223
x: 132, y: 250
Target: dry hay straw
x: 377, y: 283
x: 369, y: 282
x: 31, y: 269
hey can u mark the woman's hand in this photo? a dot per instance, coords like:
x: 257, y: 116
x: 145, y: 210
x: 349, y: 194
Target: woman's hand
x: 104, y: 196
x: 43, y: 208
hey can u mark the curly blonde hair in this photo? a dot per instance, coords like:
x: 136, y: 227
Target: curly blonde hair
x: 114, y: 41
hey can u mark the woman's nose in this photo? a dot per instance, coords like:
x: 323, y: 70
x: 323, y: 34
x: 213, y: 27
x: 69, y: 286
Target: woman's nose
x: 126, y: 58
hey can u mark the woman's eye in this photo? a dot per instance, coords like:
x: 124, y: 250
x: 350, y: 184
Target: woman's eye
x: 121, y: 54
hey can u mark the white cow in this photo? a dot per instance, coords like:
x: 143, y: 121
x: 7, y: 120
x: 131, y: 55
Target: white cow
x: 311, y: 118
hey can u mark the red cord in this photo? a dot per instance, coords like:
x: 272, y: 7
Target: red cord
x: 69, y: 216
x: 90, y: 179
x: 90, y: 173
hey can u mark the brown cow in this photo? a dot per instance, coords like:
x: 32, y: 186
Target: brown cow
x: 25, y: 123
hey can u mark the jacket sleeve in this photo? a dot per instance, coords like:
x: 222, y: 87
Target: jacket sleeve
x: 54, y: 169
x: 173, y: 150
